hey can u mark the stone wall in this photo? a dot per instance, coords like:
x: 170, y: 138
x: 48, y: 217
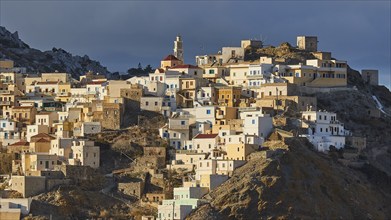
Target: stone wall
x: 28, y: 185
x: 76, y: 173
x: 359, y: 143
x: 132, y: 188
x: 112, y: 116
x: 152, y: 162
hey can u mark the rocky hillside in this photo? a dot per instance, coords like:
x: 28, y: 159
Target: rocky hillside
x: 12, y: 47
x: 353, y: 108
x: 298, y: 183
x: 285, y: 51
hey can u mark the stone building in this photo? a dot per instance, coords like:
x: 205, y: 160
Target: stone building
x: 112, y: 116
x: 178, y: 48
x: 28, y: 185
x: 132, y: 187
x: 370, y: 77
x: 132, y: 97
x: 170, y: 61
x: 308, y: 43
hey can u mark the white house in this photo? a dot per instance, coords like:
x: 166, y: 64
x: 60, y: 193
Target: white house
x: 217, y: 166
x: 205, y: 143
x: 84, y: 153
x: 324, y: 130
x: 257, y: 123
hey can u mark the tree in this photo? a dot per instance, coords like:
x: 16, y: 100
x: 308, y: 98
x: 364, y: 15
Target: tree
x: 139, y: 71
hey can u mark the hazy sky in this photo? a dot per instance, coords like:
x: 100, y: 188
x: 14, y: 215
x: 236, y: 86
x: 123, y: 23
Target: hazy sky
x: 120, y: 34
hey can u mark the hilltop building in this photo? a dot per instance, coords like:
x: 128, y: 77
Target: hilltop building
x: 178, y: 48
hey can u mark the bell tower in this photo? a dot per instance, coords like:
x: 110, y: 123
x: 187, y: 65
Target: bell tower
x: 178, y: 47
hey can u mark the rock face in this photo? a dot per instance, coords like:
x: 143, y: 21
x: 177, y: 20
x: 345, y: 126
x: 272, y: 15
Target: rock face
x: 301, y: 184
x: 285, y: 51
x: 11, y: 47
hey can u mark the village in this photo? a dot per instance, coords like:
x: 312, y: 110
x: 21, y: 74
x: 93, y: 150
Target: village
x: 216, y: 114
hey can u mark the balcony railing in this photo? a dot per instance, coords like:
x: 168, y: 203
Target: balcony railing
x: 5, y: 92
x: 3, y: 103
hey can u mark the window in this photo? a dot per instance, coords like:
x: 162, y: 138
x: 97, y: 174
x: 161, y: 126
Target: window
x: 155, y: 103
x: 182, y: 122
x: 146, y: 103
x: 211, y: 71
x: 253, y: 121
x: 208, y: 112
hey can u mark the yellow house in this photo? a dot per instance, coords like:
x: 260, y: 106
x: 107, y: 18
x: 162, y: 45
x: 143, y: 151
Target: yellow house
x: 228, y: 96
x: 64, y: 92
x: 55, y: 77
x: 225, y: 113
x: 212, y: 72
x: 7, y: 100
x: 187, y: 94
x: 239, y: 151
x: 330, y: 73
x: 41, y: 146
x: 170, y: 61
x: 316, y: 73
x: 24, y: 114
x: 33, y: 162
x: 6, y: 64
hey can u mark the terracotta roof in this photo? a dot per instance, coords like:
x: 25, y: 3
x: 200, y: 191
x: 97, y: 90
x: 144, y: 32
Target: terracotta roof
x: 202, y: 136
x: 170, y: 57
x: 185, y: 66
x: 160, y: 70
x: 42, y: 135
x: 96, y: 83
x: 20, y: 143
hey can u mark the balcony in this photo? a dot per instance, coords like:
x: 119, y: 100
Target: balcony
x: 257, y: 76
x: 5, y: 103
x: 5, y: 92
x: 331, y: 69
x: 218, y: 116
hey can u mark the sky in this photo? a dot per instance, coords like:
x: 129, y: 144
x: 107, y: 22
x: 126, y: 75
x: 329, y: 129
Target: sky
x: 122, y: 33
